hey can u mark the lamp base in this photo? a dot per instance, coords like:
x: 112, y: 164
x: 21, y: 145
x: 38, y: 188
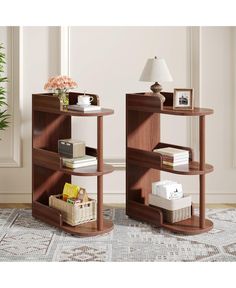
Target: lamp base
x: 156, y: 89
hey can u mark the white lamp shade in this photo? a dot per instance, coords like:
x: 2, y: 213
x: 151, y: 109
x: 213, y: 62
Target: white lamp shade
x: 156, y: 70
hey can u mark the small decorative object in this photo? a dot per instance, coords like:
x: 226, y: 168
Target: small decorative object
x: 70, y: 191
x: 156, y: 70
x: 71, y: 148
x: 183, y: 99
x: 84, y: 100
x: 60, y: 85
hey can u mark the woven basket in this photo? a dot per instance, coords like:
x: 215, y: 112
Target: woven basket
x: 176, y: 215
x: 74, y: 214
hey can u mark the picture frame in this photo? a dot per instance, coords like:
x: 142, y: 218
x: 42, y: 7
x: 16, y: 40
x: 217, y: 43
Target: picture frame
x: 183, y: 99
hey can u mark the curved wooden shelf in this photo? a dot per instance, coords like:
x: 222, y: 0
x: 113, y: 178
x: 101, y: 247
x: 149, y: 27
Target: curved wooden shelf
x: 189, y: 226
x: 102, y: 112
x: 54, y: 217
x: 88, y: 171
x: 192, y: 168
x: 48, y: 103
x: 195, y: 112
x: 154, y: 160
x: 51, y: 160
x: 88, y: 229
x: 145, y: 102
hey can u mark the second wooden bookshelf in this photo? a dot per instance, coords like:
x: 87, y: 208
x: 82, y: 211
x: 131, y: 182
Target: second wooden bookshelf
x: 143, y: 166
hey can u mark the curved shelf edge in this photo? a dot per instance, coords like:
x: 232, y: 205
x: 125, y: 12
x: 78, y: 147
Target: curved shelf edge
x: 54, y: 217
x: 88, y: 229
x: 102, y: 112
x: 189, y: 226
x: 88, y: 171
x: 190, y: 169
x: 51, y: 160
x: 154, y: 160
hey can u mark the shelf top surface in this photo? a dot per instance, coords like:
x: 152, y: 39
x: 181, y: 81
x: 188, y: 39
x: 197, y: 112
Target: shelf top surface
x: 88, y: 171
x: 149, y: 103
x: 195, y: 112
x: 102, y: 112
x: 169, y: 110
x: 47, y: 102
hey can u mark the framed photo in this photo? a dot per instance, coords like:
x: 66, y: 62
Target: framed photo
x: 183, y: 99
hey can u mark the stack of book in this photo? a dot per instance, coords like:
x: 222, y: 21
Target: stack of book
x: 72, y: 163
x: 84, y: 108
x: 173, y: 156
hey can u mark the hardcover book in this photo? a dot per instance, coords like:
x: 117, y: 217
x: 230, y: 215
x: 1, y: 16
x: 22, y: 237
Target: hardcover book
x: 173, y: 152
x: 84, y: 108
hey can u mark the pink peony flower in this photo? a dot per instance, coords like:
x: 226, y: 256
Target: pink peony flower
x: 60, y: 83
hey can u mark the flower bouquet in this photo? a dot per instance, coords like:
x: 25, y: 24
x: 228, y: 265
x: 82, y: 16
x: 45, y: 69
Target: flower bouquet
x: 60, y: 85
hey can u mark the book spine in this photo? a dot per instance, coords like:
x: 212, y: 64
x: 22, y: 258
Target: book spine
x: 174, y: 159
x: 173, y: 164
x: 80, y: 165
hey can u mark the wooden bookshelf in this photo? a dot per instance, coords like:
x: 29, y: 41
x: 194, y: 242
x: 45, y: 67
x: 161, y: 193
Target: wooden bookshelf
x: 50, y: 124
x: 143, y: 166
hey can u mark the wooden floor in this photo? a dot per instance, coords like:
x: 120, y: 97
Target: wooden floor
x: 26, y: 205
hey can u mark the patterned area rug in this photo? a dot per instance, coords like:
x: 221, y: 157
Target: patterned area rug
x: 23, y: 238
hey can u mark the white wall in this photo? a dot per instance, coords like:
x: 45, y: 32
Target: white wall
x: 108, y: 61
x: 40, y: 60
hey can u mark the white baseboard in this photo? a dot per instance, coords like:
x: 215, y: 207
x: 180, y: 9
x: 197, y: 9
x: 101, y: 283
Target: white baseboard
x: 15, y: 198
x: 119, y: 198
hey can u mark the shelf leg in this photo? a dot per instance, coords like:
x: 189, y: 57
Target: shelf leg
x: 202, y: 167
x: 100, y: 168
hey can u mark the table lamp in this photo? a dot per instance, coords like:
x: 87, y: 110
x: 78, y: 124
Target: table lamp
x: 156, y: 70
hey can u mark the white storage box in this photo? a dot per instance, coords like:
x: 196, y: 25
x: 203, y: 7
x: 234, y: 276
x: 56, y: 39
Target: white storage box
x: 171, y: 205
x: 167, y: 189
x: 172, y: 210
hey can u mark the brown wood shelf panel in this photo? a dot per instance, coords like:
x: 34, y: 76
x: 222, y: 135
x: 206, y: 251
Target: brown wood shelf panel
x: 102, y: 112
x: 189, y: 226
x: 144, y: 213
x: 154, y: 216
x: 154, y: 160
x: 47, y: 102
x: 45, y: 213
x: 88, y: 171
x: 51, y: 160
x: 144, y: 102
x: 53, y: 217
x: 88, y: 229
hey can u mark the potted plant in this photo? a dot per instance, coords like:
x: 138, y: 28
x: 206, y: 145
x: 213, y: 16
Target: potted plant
x: 4, y: 116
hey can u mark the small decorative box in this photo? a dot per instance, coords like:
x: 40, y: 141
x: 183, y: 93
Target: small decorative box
x: 71, y: 148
